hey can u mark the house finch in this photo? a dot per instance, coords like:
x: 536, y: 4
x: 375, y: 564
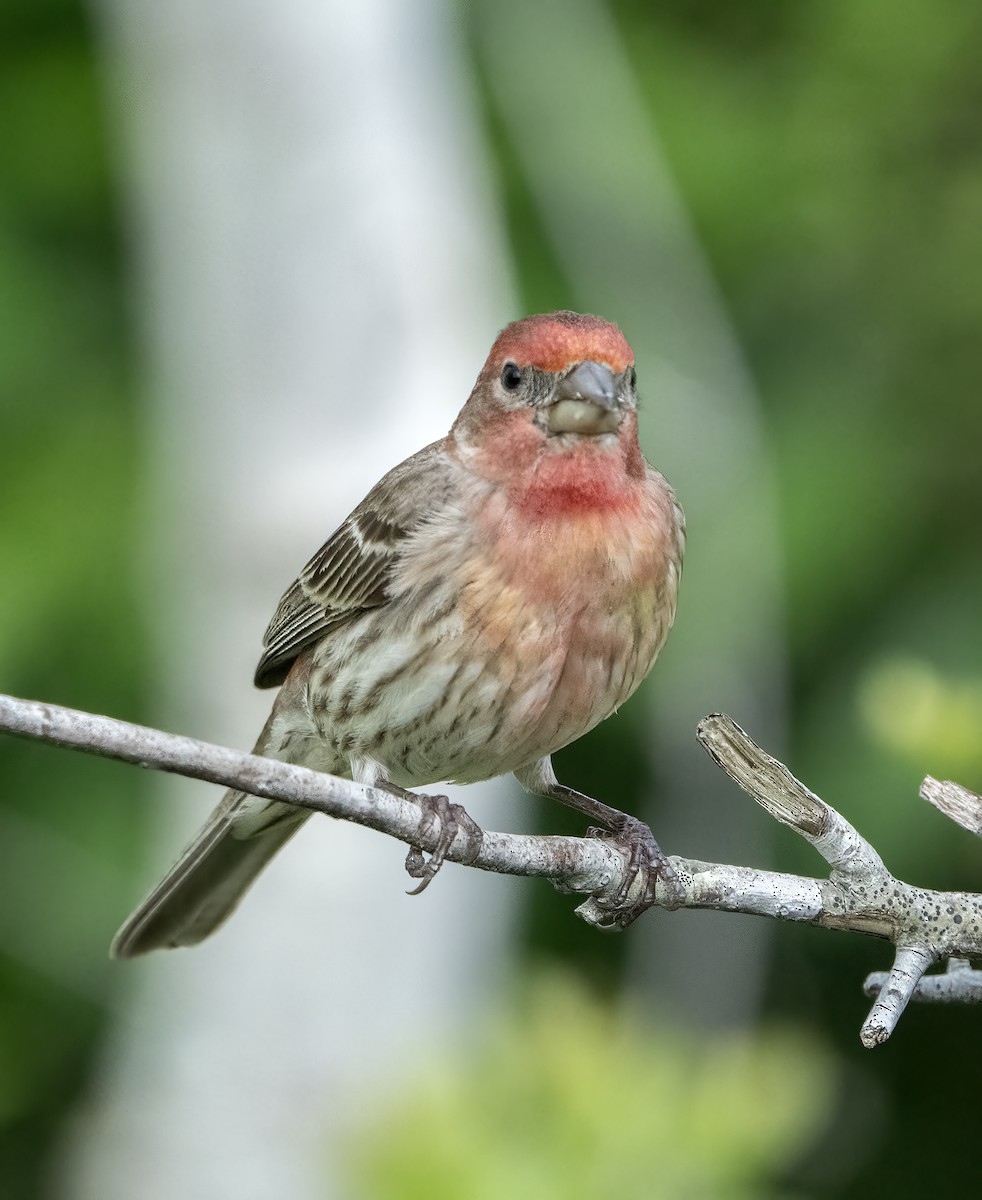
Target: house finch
x: 491, y: 599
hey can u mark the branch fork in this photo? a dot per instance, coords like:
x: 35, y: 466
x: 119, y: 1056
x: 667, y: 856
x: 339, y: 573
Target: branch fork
x: 858, y: 895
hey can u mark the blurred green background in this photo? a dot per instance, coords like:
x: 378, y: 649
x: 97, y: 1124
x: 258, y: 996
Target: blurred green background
x: 830, y: 159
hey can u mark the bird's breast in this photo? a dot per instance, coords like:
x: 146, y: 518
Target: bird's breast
x: 569, y: 607
x: 507, y: 637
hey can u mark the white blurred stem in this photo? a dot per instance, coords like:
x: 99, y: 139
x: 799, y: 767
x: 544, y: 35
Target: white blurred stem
x: 318, y: 266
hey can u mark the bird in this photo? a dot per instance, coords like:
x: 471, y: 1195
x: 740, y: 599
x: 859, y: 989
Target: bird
x: 493, y: 598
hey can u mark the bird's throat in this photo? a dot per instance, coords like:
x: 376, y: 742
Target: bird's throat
x: 589, y: 479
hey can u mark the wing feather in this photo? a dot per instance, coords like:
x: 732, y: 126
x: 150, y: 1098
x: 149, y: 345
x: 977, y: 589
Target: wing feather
x: 352, y: 571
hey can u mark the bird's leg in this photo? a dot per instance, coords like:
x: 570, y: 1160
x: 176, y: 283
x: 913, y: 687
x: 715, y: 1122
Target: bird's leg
x: 645, y: 857
x: 439, y: 818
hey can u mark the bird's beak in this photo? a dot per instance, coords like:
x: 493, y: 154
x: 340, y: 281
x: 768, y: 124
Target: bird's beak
x: 586, y: 402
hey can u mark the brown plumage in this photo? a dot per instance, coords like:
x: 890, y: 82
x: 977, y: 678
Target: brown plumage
x: 491, y: 599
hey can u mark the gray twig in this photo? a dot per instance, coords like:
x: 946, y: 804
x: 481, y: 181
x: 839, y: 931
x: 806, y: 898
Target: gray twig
x: 859, y: 894
x: 958, y: 803
x: 958, y: 984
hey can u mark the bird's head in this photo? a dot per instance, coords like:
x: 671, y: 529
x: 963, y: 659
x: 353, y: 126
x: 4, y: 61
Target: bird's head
x: 556, y: 384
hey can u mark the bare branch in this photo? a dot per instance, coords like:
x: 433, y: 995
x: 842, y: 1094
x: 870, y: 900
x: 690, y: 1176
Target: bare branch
x: 859, y: 895
x: 769, y: 782
x: 777, y: 791
x: 960, y: 984
x: 958, y: 803
x: 909, y: 964
x: 573, y: 864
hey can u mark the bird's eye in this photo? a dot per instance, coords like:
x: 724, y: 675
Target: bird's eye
x: 511, y: 376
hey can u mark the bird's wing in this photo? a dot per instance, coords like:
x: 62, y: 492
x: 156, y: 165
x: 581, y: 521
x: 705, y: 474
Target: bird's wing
x: 352, y: 570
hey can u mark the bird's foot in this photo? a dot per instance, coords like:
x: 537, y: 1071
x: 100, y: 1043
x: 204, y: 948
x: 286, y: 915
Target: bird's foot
x: 646, y: 864
x: 441, y: 820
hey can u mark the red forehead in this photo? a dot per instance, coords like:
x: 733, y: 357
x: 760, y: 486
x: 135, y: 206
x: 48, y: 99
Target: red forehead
x: 554, y: 340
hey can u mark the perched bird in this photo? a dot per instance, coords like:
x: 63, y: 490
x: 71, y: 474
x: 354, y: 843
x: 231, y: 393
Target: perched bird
x: 490, y: 600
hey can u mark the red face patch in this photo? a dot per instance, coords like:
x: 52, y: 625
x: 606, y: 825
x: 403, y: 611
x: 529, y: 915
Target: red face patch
x: 552, y: 341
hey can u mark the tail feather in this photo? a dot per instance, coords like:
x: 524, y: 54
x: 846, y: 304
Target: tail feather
x: 207, y: 882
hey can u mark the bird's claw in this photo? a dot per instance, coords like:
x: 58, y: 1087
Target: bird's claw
x: 442, y: 820
x: 646, y: 865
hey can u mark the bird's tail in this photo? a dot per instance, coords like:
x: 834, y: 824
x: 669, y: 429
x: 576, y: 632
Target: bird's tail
x: 207, y: 882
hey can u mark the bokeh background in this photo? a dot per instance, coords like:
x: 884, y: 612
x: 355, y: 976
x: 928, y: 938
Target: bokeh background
x: 252, y: 256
